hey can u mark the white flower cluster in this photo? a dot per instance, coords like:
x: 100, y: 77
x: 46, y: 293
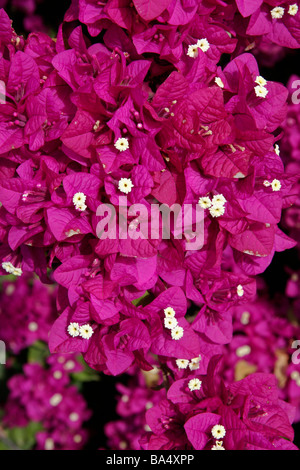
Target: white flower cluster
x: 216, y: 206
x: 218, y: 432
x: 79, y: 201
x: 261, y: 90
x: 184, y: 363
x: 278, y: 12
x: 171, y: 323
x: 85, y: 331
x: 202, y: 44
x: 275, y: 184
x: 10, y: 269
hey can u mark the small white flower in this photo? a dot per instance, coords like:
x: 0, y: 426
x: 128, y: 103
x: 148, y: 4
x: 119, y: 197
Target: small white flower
x: 218, y: 200
x: 219, y: 82
x: 73, y: 329
x: 149, y: 405
x: 125, y: 398
x: 8, y: 267
x: 57, y: 374
x: 261, y: 81
x: 218, y: 431
x: 245, y: 318
x: 182, y: 363
x: 33, y: 326
x: 79, y: 199
x: 266, y: 183
x: 203, y: 44
x: 177, y: 332
x: 123, y: 445
x: 122, y: 144
x: 194, y: 384
x: 195, y: 363
x: 277, y: 13
x: 170, y: 323
x: 240, y: 290
x: 216, y: 211
x: 96, y: 126
x: 277, y: 149
x: 86, y: 331
x: 193, y: 51
x: 169, y: 312
x: 69, y: 365
x: 295, y: 375
x: 204, y: 202
x: 243, y: 351
x: 293, y: 9
x: 276, y: 185
x: 218, y: 446
x: 74, y: 417
x: 81, y: 207
x: 260, y: 91
x: 77, y: 438
x: 49, y: 444
x: 56, y: 399
x: 125, y: 185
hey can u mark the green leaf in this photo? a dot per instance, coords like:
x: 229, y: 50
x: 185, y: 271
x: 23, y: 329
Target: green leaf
x: 143, y: 300
x: 24, y: 437
x: 38, y: 352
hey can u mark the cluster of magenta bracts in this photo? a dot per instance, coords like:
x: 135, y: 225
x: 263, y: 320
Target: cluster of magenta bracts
x: 148, y: 113
x: 45, y: 396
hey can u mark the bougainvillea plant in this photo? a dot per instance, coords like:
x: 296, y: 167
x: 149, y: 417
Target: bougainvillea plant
x: 132, y: 111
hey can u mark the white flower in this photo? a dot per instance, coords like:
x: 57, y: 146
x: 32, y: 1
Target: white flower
x: 218, y: 446
x: 216, y: 211
x: 219, y: 82
x: 218, y: 431
x: 69, y: 365
x: 203, y: 44
x: 266, y: 183
x: 193, y: 51
x: 177, y: 332
x: 194, y: 384
x: 243, y: 351
x: 277, y: 12
x: 49, y: 444
x: 125, y: 185
x: 73, y: 329
x: 57, y: 374
x: 122, y: 144
x: 194, y: 364
x: 245, y: 318
x: 261, y: 81
x: 240, y: 290
x: 260, y: 91
x: 86, y: 331
x: 77, y: 438
x: 74, y: 417
x: 276, y: 185
x: 96, y: 126
x: 204, y: 202
x: 33, y: 326
x: 169, y: 312
x: 295, y: 375
x: 218, y: 200
x: 293, y: 9
x: 56, y: 399
x: 10, y: 269
x: 79, y: 199
x: 277, y: 149
x: 170, y: 323
x: 182, y: 363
